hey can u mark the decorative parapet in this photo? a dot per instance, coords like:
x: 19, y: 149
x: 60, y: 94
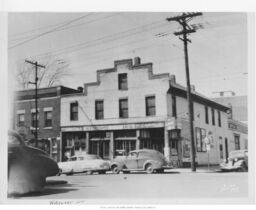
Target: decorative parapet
x: 131, y: 67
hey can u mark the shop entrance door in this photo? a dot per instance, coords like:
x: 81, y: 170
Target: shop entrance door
x: 226, y: 148
x: 100, y: 148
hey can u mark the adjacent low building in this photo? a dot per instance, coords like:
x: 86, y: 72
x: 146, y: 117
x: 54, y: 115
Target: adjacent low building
x: 129, y: 107
x: 48, y: 118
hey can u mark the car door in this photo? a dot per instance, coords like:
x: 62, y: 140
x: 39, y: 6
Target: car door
x: 72, y: 163
x: 142, y: 158
x: 80, y: 164
x: 131, y: 161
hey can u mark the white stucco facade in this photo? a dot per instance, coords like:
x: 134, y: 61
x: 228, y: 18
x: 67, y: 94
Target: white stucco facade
x: 165, y: 130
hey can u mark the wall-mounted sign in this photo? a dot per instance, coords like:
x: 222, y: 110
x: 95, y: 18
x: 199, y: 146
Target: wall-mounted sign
x: 115, y: 127
x: 172, y: 123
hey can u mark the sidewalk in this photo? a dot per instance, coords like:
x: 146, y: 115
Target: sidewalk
x: 199, y: 169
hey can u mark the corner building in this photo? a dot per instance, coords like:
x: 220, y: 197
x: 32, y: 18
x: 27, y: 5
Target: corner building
x: 129, y: 107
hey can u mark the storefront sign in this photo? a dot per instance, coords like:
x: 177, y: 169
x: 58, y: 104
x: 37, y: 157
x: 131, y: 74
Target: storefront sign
x: 172, y: 123
x: 115, y: 127
x: 236, y: 127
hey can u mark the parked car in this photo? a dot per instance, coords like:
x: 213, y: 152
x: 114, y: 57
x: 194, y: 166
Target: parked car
x: 140, y: 160
x: 237, y: 161
x: 28, y: 167
x: 84, y: 163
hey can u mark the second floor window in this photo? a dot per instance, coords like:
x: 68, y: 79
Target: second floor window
x: 35, y: 119
x: 122, y: 82
x: 21, y: 120
x: 150, y: 106
x: 74, y: 111
x: 219, y: 118
x: 99, y: 109
x: 48, y: 119
x: 123, y: 108
x: 206, y: 115
x: 213, y: 117
x: 174, y: 110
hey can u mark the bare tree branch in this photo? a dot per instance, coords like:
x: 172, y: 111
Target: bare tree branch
x: 54, y: 73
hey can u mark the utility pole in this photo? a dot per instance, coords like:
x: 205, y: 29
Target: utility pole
x: 186, y: 29
x: 35, y: 83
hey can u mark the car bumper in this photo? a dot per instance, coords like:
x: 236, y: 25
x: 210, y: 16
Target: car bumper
x: 167, y: 167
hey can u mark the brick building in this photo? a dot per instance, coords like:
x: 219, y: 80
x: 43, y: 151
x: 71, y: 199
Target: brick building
x: 48, y: 117
x: 237, y: 121
x: 129, y: 107
x: 238, y: 106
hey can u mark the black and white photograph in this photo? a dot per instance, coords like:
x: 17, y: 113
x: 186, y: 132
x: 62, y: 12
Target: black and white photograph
x: 129, y: 107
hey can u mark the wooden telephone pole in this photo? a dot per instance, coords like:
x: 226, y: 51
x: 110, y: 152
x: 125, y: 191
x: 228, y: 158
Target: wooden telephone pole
x: 35, y: 83
x: 186, y: 29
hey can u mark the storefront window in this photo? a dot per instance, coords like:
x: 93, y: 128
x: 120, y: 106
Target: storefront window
x: 200, y: 135
x: 152, y: 139
x: 100, y: 148
x: 124, y: 146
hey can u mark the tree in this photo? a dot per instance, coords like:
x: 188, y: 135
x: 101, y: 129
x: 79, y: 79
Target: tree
x: 53, y: 74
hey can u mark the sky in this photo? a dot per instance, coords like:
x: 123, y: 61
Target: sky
x: 92, y: 41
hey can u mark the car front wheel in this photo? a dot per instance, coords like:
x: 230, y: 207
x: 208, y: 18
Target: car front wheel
x: 149, y: 168
x: 115, y: 169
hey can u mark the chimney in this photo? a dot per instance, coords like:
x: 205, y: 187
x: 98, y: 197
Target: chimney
x: 80, y: 89
x: 193, y: 87
x: 136, y: 61
x: 173, y: 78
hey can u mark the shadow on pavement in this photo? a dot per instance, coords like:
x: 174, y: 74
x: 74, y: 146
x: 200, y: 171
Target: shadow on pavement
x: 46, y: 191
x: 144, y: 173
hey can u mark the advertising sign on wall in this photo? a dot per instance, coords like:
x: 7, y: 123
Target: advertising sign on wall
x: 186, y: 150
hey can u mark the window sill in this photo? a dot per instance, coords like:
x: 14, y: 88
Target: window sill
x: 33, y: 128
x: 47, y: 128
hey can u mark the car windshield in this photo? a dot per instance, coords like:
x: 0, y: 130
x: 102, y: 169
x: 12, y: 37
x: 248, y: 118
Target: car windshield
x: 86, y: 157
x: 72, y: 159
x: 132, y: 154
x: 92, y: 157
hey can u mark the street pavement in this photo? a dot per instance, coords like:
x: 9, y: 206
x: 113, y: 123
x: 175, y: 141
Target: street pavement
x: 175, y: 183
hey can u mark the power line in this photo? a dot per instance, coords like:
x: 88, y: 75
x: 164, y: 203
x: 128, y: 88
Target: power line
x: 72, y: 26
x: 103, y: 40
x: 37, y: 29
x: 47, y: 32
